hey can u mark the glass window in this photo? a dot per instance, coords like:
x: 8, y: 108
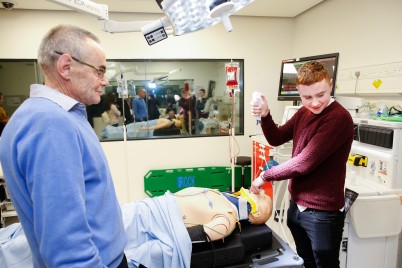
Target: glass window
x: 158, y: 98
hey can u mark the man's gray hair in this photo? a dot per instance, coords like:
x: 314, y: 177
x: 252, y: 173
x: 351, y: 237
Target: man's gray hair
x: 66, y: 39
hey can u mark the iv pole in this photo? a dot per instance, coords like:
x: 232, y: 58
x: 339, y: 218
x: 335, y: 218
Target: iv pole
x: 124, y: 94
x: 232, y: 132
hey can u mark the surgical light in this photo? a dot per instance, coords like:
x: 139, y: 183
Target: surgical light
x: 152, y: 85
x: 188, y: 16
x: 182, y: 16
x: 86, y: 6
x: 154, y: 32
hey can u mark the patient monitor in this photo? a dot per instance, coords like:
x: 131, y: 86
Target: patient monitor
x: 289, y: 112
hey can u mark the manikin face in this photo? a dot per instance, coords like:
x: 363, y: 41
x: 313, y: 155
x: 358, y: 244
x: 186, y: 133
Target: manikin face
x: 317, y: 96
x: 264, y: 208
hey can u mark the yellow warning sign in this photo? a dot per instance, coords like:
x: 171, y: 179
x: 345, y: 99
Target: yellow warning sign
x: 377, y: 83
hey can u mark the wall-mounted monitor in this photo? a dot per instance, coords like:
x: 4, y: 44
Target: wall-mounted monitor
x: 287, y: 83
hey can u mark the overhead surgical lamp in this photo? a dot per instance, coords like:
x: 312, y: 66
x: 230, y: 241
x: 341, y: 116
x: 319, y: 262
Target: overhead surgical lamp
x: 158, y: 81
x: 182, y: 16
x: 162, y: 79
x: 192, y: 15
x: 101, y: 11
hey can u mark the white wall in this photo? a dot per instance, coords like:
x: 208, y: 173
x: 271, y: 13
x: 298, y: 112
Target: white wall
x: 365, y: 32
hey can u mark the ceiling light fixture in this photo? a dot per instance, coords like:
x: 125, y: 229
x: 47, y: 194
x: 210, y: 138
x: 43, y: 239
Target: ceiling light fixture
x: 188, y: 16
x: 182, y: 16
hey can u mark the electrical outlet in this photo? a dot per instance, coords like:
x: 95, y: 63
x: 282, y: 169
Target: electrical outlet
x: 398, y: 68
x: 357, y: 74
x: 346, y: 74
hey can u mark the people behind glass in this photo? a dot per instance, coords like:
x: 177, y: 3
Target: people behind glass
x: 144, y: 129
x: 124, y: 108
x: 160, y: 123
x: 112, y: 109
x: 171, y: 101
x: 187, y: 103
x: 3, y: 114
x: 200, y: 105
x: 139, y: 106
x: 153, y: 107
x: 170, y: 113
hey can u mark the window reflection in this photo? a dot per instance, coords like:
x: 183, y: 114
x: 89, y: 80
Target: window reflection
x: 163, y: 81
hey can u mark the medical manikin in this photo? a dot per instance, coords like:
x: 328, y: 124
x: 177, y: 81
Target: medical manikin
x: 210, y: 215
x: 144, y: 129
x: 161, y: 230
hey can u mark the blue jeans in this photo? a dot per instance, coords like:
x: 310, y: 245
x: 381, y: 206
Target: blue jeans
x: 317, y: 235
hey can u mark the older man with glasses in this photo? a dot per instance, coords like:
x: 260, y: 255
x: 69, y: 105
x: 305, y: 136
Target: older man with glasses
x: 54, y: 166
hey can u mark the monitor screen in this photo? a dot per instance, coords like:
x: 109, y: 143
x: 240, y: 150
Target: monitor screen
x: 287, y: 82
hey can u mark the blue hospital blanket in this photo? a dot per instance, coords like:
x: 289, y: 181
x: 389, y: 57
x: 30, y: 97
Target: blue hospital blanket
x: 14, y: 248
x: 155, y: 232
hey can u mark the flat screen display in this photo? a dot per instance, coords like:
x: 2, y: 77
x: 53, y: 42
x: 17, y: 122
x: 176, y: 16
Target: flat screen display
x: 290, y: 67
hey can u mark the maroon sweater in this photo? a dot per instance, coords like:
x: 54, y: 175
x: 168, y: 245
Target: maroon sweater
x: 321, y: 145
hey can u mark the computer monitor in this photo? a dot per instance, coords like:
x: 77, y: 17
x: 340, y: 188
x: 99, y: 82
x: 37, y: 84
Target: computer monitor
x: 287, y: 82
x: 289, y: 112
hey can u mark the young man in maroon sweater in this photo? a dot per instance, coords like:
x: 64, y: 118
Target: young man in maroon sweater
x: 322, y: 134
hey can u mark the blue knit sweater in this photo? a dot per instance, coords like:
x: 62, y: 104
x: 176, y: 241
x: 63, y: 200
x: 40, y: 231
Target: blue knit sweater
x: 60, y: 183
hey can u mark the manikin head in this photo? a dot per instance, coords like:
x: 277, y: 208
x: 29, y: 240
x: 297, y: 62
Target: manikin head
x: 264, y: 210
x: 314, y: 84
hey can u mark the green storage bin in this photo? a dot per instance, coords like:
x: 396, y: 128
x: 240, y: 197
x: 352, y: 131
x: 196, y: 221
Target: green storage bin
x: 157, y: 182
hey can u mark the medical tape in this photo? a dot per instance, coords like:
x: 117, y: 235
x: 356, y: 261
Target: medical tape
x: 251, y: 201
x: 243, y: 210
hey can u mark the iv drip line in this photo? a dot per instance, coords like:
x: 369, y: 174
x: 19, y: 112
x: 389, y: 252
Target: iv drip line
x: 259, y: 135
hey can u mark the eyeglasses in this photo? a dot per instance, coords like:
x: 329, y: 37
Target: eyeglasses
x: 99, y: 71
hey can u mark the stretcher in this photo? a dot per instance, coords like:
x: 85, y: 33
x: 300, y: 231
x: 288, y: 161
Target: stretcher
x: 248, y: 246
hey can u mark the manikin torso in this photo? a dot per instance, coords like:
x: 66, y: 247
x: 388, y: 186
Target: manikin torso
x: 201, y: 206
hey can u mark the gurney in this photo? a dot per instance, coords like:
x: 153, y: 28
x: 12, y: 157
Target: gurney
x: 248, y: 246
x: 252, y: 246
